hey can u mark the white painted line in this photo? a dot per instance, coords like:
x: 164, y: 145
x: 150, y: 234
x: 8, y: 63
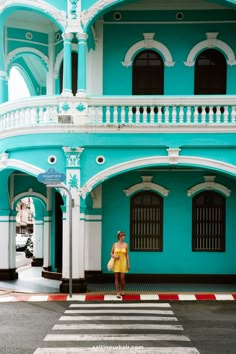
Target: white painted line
x: 112, y: 298
x: 120, y: 318
x: 111, y: 336
x: 117, y: 350
x: 7, y: 299
x: 76, y: 298
x: 143, y: 326
x: 124, y: 311
x: 122, y: 305
x: 224, y: 297
x: 38, y: 298
x: 149, y: 297
x: 187, y: 297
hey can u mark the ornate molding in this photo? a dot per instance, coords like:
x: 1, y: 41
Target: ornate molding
x: 59, y: 16
x: 146, y: 184
x: 148, y: 43
x: 209, y: 184
x: 173, y: 155
x: 72, y: 156
x: 211, y: 42
x: 88, y: 15
x: 37, y: 52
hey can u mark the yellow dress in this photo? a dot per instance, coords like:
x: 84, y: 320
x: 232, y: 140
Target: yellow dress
x: 120, y: 265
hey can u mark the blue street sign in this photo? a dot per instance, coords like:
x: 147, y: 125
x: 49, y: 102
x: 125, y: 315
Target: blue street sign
x: 51, y: 176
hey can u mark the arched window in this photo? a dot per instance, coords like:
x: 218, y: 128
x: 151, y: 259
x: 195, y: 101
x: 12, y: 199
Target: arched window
x: 148, y: 74
x: 208, y: 222
x: 74, y: 73
x: 210, y: 73
x: 146, y: 222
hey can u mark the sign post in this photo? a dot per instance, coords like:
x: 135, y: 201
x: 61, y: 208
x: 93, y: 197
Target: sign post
x: 54, y: 179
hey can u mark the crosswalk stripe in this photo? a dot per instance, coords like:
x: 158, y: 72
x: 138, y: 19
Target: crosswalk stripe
x: 117, y: 350
x: 95, y: 326
x: 114, y: 337
x: 120, y: 318
x: 123, y: 305
x: 154, y: 312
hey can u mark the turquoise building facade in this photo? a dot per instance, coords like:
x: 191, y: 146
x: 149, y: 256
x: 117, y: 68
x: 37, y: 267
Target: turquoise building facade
x: 135, y: 102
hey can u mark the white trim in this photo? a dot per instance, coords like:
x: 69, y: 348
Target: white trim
x: 209, y: 184
x: 23, y: 50
x: 21, y: 165
x: 150, y: 43
x: 155, y: 161
x: 146, y: 185
x: 29, y: 194
x: 211, y: 42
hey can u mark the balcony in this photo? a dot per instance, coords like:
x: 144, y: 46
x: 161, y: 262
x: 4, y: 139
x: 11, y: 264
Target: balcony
x: 118, y: 113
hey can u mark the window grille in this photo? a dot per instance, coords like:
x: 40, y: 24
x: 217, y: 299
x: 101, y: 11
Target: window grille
x: 146, y: 222
x: 208, y: 222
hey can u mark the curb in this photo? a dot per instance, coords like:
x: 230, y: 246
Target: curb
x: 108, y: 297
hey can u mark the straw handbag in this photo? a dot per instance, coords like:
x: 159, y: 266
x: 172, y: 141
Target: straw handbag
x: 110, y: 264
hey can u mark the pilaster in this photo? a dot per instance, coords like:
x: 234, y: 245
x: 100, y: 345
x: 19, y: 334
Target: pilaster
x: 73, y: 156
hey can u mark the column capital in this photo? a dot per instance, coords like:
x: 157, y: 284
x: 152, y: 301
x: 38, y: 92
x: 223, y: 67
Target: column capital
x: 67, y: 35
x: 72, y: 156
x: 81, y: 36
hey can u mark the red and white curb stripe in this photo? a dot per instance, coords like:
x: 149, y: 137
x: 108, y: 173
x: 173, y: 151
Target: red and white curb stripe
x: 128, y: 297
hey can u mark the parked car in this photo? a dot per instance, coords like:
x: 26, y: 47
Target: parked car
x: 22, y: 240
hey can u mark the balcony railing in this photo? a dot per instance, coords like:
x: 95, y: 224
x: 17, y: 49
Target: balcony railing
x: 107, y: 112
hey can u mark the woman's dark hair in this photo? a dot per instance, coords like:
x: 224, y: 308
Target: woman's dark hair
x: 119, y: 233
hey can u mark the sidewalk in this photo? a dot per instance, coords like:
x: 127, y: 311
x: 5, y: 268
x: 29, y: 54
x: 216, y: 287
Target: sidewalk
x: 30, y: 286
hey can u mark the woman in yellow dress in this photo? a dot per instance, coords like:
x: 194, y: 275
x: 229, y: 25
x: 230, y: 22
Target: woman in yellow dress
x: 119, y: 252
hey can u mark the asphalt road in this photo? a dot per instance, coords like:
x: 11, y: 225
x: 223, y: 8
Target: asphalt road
x: 204, y: 327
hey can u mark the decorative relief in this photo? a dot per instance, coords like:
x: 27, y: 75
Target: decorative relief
x: 211, y: 42
x: 209, y: 184
x: 73, y: 182
x: 73, y: 10
x: 72, y: 156
x: 148, y: 43
x: 146, y: 185
x: 173, y: 155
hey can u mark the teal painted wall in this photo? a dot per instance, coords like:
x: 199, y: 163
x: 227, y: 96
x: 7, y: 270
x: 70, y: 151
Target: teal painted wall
x: 178, y: 37
x: 177, y: 256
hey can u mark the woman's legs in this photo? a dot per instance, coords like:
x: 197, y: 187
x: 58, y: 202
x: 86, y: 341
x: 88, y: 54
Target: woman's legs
x: 117, y: 282
x: 122, y: 280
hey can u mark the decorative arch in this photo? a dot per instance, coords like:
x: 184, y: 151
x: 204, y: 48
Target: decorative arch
x: 16, y: 52
x: 172, y: 159
x: 209, y: 184
x: 211, y: 42
x: 56, y: 15
x: 148, y: 43
x: 146, y: 185
x: 29, y: 193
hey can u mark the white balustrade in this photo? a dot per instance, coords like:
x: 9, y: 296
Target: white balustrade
x: 125, y: 110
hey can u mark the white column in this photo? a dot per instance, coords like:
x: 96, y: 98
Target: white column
x: 46, y: 243
x: 51, y: 55
x: 73, y: 183
x: 38, y: 238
